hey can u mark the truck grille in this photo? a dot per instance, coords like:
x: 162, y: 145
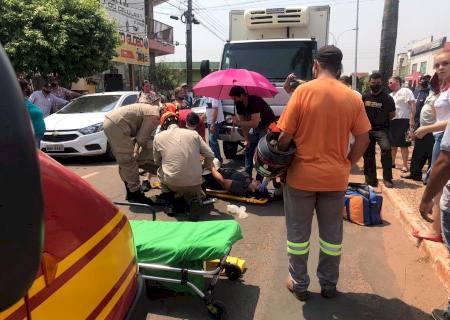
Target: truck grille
x: 60, y: 137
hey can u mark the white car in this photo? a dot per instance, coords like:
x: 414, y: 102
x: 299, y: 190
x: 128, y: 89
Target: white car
x: 77, y: 129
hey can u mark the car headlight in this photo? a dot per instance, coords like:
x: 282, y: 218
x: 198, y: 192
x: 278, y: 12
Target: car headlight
x: 92, y: 129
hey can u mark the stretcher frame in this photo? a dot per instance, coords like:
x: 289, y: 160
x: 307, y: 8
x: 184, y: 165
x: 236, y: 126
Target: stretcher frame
x: 215, y: 308
x: 206, y: 295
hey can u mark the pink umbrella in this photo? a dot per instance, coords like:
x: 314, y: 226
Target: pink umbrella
x: 218, y: 84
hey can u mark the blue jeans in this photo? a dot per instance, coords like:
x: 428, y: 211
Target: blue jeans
x: 253, y: 135
x: 445, y: 224
x: 434, y: 155
x: 436, y: 147
x: 213, y: 141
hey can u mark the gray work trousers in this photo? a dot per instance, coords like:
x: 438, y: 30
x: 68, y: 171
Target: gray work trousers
x: 299, y: 209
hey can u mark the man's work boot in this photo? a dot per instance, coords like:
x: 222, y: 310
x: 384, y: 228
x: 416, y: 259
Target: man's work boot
x: 440, y: 315
x: 195, y: 208
x: 165, y: 199
x: 328, y: 293
x: 302, y: 296
x: 388, y: 184
x: 138, y: 197
x: 371, y: 182
x: 146, y: 186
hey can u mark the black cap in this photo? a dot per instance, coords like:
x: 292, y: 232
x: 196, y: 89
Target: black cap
x: 329, y: 55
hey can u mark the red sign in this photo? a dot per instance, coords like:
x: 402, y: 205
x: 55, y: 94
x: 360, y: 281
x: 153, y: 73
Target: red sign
x: 126, y: 54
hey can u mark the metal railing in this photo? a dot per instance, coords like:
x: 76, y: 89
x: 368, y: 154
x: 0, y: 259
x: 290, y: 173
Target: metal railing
x: 161, y: 32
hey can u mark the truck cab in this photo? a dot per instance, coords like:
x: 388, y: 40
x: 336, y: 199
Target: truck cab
x: 274, y: 42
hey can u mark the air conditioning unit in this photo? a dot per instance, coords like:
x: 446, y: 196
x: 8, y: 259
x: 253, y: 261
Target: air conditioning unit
x: 276, y: 17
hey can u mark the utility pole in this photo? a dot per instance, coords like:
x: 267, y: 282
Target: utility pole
x: 189, y: 44
x: 355, y: 76
x: 150, y: 28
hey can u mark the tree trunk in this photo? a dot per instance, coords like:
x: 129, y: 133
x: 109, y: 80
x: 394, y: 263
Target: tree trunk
x: 388, y: 39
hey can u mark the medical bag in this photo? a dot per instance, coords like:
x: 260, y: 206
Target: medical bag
x: 362, y: 205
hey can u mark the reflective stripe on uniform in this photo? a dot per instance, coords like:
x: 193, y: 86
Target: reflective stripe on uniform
x: 330, y: 248
x: 300, y: 247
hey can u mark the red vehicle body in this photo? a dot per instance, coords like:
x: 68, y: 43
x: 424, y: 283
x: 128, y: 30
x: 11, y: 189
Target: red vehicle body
x: 88, y: 266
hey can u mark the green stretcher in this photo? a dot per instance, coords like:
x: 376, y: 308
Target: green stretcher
x: 174, y: 253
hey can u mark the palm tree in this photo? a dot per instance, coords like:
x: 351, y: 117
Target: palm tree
x: 388, y: 39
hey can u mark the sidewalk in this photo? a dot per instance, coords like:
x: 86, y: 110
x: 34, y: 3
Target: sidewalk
x: 403, y: 200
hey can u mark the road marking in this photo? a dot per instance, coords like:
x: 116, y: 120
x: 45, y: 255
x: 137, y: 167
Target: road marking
x: 90, y: 175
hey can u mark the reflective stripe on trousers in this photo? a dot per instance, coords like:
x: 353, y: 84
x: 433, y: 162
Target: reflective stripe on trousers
x: 329, y: 248
x: 300, y: 248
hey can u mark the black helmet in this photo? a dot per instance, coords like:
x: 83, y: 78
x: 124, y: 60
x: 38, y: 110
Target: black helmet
x: 269, y: 161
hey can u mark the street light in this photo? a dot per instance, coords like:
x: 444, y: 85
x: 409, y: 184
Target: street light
x: 336, y: 39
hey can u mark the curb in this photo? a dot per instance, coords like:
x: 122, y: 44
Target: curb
x: 411, y: 220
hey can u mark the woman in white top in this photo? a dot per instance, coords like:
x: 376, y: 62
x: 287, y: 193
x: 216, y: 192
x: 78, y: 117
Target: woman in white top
x: 405, y: 108
x: 442, y: 115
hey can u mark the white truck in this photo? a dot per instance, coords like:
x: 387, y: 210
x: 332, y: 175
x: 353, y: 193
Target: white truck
x: 274, y: 42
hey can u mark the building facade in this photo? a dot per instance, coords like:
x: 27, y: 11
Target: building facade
x: 419, y: 60
x: 141, y: 39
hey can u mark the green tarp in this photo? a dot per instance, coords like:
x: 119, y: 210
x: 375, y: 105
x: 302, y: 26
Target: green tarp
x: 183, y: 244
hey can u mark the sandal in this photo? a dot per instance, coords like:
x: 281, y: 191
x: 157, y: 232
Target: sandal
x: 438, y: 238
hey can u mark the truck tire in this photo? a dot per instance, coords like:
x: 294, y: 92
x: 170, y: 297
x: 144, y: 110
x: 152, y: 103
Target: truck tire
x: 230, y: 149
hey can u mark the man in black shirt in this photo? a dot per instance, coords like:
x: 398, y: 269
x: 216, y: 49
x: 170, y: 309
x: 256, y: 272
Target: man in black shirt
x: 380, y: 108
x: 254, y: 116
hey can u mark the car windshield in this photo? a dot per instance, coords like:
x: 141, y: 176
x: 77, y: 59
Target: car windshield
x: 275, y: 59
x: 91, y: 104
x: 200, y: 102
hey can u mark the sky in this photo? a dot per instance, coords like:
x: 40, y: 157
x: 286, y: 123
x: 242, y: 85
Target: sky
x: 416, y: 21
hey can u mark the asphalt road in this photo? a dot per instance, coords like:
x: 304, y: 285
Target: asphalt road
x: 383, y: 275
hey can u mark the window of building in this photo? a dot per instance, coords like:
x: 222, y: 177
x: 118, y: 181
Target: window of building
x: 423, y: 67
x: 414, y: 68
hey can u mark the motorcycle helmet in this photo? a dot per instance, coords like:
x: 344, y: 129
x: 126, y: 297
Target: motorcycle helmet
x: 269, y: 161
x: 167, y: 119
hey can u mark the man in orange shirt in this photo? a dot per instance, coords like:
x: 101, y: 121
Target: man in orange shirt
x: 319, y: 118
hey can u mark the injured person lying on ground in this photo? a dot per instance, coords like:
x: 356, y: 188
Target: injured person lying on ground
x: 237, y: 183
x: 228, y: 179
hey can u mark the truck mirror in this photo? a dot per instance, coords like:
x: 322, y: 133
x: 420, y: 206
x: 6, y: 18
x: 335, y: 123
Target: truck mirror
x: 21, y: 204
x: 204, y: 68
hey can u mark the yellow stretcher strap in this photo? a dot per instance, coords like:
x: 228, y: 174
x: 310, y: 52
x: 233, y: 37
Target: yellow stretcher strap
x: 228, y: 196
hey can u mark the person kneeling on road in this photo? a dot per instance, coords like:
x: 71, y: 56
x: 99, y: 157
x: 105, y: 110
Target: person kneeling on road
x: 125, y: 125
x: 177, y: 152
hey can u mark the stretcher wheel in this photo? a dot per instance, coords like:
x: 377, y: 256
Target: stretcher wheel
x: 217, y: 310
x: 233, y: 272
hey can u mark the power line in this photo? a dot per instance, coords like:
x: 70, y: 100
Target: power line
x: 212, y: 19
x: 211, y: 22
x: 211, y: 30
x: 205, y: 21
x: 277, y: 2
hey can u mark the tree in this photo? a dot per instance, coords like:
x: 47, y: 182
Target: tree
x: 71, y: 38
x: 388, y: 39
x: 164, y: 79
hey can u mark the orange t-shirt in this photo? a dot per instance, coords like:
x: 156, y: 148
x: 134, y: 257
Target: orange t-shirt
x: 320, y: 116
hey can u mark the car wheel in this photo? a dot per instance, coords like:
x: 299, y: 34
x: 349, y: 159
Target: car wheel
x: 230, y: 149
